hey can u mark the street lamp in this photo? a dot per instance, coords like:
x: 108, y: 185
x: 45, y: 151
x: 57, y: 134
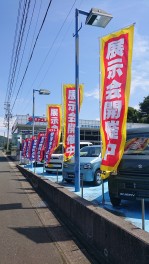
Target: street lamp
x: 99, y: 18
x: 41, y: 92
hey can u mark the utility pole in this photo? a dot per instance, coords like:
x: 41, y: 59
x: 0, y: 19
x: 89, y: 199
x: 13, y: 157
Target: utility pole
x: 7, y: 118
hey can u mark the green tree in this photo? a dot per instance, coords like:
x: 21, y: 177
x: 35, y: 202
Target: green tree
x: 132, y: 115
x: 144, y: 110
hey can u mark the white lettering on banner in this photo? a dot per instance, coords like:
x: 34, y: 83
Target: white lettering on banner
x: 71, y: 128
x: 71, y: 106
x: 115, y: 48
x: 54, y: 112
x: 113, y: 69
x: 33, y: 148
x: 70, y: 149
x: 70, y: 122
x: 114, y: 85
x: 110, y: 150
x: 71, y: 95
x: 112, y: 109
x: 113, y: 93
x: 71, y: 117
x: 112, y: 128
x: 54, y: 121
x: 54, y: 118
x: 54, y: 126
x: 70, y: 139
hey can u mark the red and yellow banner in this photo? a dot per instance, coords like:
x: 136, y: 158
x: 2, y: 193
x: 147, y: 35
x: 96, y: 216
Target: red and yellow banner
x: 115, y: 64
x: 69, y: 99
x: 54, y: 119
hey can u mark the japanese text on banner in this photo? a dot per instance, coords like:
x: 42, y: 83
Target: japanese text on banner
x: 69, y: 95
x: 116, y: 58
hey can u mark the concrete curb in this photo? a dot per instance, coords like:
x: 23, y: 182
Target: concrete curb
x: 115, y: 240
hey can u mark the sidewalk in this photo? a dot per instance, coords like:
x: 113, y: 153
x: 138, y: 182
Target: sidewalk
x: 29, y: 231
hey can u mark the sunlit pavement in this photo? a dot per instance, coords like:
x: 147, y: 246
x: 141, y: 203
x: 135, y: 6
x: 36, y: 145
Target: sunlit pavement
x: 129, y: 210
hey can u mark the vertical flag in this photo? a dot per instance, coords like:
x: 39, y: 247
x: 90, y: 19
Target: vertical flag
x: 29, y: 140
x: 69, y: 99
x: 115, y: 61
x: 50, y: 142
x: 54, y: 119
x: 24, y: 148
x: 39, y: 152
x: 32, y: 148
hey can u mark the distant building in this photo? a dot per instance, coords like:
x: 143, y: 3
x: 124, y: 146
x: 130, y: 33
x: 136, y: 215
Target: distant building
x: 89, y: 129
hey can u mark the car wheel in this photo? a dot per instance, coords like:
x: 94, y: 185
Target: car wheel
x: 97, y: 178
x: 115, y: 201
x: 48, y: 171
x: 68, y: 181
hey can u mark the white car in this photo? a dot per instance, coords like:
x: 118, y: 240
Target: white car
x: 56, y: 161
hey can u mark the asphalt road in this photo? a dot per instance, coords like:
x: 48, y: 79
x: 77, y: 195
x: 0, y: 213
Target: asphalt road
x: 29, y: 231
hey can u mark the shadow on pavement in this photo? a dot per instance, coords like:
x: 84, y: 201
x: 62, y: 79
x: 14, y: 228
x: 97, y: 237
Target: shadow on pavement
x: 5, y: 171
x: 16, y: 206
x: 39, y: 234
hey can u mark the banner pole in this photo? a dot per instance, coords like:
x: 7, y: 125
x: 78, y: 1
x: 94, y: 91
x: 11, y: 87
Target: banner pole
x: 103, y: 198
x: 82, y: 185
x: 57, y: 175
x: 143, y: 214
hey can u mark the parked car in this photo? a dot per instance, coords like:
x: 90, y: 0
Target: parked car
x: 56, y: 161
x: 131, y: 180
x: 90, y: 159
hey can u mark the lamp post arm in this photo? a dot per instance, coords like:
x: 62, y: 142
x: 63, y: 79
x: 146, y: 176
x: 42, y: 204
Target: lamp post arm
x: 83, y: 12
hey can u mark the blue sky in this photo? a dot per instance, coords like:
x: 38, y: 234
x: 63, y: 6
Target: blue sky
x: 53, y: 61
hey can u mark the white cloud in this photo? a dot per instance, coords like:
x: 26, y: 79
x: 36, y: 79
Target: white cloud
x: 141, y: 45
x: 140, y: 66
x: 94, y: 93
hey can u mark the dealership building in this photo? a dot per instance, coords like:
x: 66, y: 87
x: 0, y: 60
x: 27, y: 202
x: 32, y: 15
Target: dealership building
x: 23, y: 126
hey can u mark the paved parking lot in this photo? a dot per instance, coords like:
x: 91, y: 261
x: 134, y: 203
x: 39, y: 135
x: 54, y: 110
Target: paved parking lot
x: 129, y: 210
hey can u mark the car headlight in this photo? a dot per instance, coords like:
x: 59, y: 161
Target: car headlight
x: 114, y: 172
x: 87, y: 166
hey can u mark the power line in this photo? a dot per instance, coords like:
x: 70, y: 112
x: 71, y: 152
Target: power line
x: 18, y: 49
x: 53, y: 45
x: 32, y: 52
x: 24, y: 45
x: 14, y: 42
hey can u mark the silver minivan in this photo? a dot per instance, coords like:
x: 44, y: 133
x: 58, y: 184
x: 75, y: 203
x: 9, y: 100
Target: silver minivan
x: 56, y: 161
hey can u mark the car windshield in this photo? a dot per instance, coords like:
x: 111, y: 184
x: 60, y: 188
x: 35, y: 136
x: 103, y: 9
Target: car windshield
x: 59, y: 149
x: 137, y: 146
x: 90, y: 151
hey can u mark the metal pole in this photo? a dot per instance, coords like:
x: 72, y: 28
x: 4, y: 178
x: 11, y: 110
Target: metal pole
x: 82, y: 186
x: 77, y: 129
x: 103, y: 198
x: 8, y: 129
x: 33, y: 120
x: 43, y: 168
x: 57, y: 175
x: 143, y: 214
x: 20, y: 157
x: 33, y: 112
x: 4, y: 141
